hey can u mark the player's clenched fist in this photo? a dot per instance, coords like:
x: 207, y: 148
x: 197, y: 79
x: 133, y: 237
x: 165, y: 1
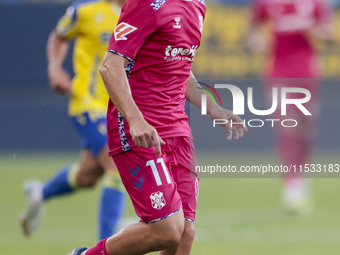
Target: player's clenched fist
x: 60, y: 80
x: 143, y: 134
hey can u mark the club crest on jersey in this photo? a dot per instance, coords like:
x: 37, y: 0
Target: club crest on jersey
x: 177, y: 20
x: 157, y: 200
x: 122, y: 30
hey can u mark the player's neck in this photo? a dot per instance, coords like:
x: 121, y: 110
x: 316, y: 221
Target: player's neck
x: 117, y: 2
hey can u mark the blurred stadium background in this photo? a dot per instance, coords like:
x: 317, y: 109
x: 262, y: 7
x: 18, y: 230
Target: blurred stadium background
x: 235, y: 216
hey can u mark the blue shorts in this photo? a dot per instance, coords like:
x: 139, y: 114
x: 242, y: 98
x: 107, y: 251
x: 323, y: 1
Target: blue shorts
x: 93, y: 132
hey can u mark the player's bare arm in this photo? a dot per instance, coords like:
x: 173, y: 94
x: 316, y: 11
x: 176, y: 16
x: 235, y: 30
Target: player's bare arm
x: 194, y: 95
x: 322, y: 31
x: 57, y: 49
x: 255, y: 36
x: 118, y: 88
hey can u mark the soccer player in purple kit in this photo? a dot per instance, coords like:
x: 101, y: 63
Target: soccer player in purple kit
x: 295, y: 26
x: 148, y: 132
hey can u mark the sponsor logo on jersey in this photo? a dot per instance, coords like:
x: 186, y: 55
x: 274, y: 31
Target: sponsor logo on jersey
x: 177, y: 20
x: 180, y: 53
x: 122, y: 30
x: 157, y: 200
x: 173, y: 52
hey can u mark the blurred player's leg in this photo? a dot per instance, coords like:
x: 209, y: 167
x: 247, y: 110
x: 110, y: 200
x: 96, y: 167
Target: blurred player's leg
x: 113, y: 197
x: 36, y: 193
x: 64, y: 182
x: 187, y: 186
x: 68, y: 180
x: 94, y: 161
x: 111, y: 205
x: 30, y: 217
x: 295, y: 147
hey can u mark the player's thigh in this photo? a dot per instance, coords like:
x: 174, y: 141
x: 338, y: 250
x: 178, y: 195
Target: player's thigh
x: 105, y: 161
x: 89, y: 169
x: 149, y: 183
x: 88, y: 164
x: 186, y: 176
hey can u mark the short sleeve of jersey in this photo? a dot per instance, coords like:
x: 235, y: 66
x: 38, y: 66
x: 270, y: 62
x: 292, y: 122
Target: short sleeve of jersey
x: 258, y: 11
x: 137, y: 21
x: 68, y: 26
x: 324, y: 11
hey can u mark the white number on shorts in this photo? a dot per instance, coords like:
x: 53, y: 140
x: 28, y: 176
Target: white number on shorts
x: 152, y: 164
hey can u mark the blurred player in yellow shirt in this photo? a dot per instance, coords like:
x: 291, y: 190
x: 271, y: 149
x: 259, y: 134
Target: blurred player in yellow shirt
x: 90, y: 24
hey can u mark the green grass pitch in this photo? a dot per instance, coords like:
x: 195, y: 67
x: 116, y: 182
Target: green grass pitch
x: 234, y: 216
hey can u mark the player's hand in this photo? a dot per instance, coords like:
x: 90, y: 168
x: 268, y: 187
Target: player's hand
x: 143, y: 134
x: 320, y: 33
x: 60, y: 80
x: 256, y: 42
x: 238, y: 129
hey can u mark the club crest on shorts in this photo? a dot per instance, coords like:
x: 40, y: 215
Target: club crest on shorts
x: 157, y: 200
